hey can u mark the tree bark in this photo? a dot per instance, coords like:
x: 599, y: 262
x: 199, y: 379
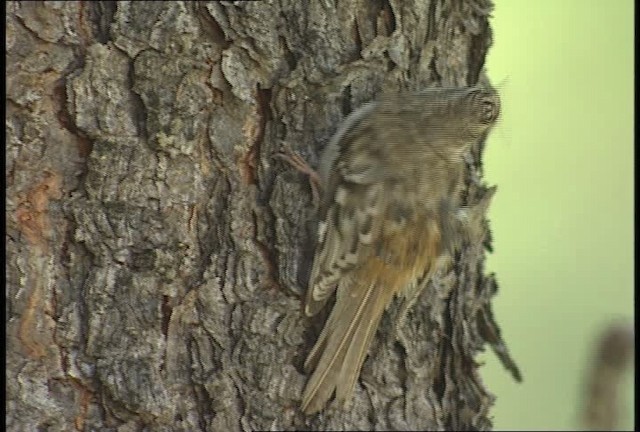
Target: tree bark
x: 157, y: 253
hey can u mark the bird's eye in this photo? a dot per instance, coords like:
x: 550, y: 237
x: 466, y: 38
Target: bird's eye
x: 490, y: 109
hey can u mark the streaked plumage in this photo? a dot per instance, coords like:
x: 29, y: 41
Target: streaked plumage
x: 390, y: 177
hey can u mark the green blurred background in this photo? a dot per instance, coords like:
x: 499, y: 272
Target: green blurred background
x: 562, y: 219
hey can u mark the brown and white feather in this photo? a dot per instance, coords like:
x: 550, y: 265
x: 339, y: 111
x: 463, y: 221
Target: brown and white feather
x: 387, y: 175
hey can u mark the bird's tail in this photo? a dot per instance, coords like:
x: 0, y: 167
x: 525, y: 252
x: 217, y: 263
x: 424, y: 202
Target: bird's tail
x: 339, y: 353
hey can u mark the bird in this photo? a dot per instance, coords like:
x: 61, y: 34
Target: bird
x: 390, y: 181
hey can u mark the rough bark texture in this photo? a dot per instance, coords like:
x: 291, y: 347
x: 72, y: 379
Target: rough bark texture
x: 157, y: 253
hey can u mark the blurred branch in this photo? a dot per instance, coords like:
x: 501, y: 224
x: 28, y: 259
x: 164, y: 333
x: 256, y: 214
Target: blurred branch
x: 613, y: 352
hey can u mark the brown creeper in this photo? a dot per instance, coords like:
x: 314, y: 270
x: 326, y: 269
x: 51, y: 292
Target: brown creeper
x: 390, y: 178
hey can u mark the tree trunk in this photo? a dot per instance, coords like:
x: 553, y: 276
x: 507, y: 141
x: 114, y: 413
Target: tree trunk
x: 157, y: 253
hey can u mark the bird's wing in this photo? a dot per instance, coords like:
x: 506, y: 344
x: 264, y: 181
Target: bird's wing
x: 353, y: 206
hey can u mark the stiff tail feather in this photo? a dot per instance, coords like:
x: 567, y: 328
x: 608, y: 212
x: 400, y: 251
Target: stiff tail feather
x: 341, y: 349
